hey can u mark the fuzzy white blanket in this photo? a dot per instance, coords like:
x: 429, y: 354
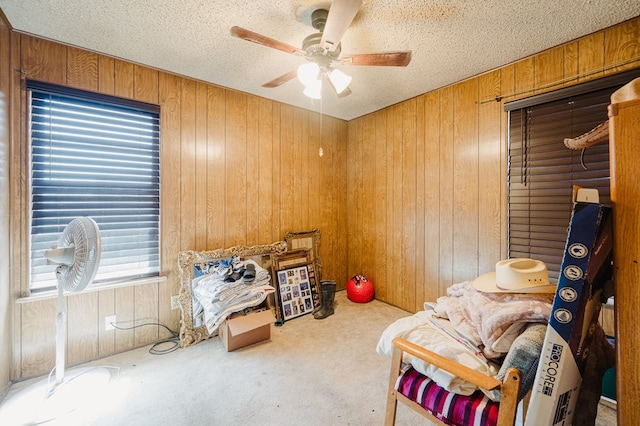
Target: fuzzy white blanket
x: 492, y: 321
x: 423, y: 330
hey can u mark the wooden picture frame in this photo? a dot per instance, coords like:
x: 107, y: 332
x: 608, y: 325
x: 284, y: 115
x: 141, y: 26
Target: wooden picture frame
x: 309, y: 240
x: 292, y: 261
x: 193, y: 332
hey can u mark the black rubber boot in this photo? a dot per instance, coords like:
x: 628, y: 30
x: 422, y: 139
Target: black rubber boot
x: 328, y: 290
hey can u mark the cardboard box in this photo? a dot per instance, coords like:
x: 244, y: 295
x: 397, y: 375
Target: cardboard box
x: 586, y: 267
x: 244, y: 330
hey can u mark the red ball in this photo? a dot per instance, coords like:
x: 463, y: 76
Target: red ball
x: 360, y: 289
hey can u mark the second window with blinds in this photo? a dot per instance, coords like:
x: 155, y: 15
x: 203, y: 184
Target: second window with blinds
x: 542, y: 170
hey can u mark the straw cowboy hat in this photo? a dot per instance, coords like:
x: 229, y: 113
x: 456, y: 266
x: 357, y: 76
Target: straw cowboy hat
x: 518, y: 275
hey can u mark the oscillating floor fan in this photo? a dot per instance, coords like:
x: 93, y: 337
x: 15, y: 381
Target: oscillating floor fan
x: 77, y: 255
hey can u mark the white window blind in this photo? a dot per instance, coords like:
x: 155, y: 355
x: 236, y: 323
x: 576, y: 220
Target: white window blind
x: 96, y: 156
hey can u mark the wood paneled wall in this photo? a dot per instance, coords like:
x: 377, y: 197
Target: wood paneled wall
x: 236, y: 169
x: 427, y: 182
x: 5, y: 250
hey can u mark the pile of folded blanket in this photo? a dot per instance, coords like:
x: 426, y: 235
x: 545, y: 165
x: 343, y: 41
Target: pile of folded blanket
x: 230, y: 285
x: 475, y: 329
x: 489, y: 333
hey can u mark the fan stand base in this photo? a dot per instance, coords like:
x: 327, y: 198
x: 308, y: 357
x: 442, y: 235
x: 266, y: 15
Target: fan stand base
x: 45, y: 401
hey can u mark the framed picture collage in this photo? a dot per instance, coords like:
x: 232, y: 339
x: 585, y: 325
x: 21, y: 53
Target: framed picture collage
x: 295, y: 292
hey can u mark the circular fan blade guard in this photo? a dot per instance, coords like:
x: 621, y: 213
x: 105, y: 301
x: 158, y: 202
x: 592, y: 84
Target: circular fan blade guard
x: 83, y: 235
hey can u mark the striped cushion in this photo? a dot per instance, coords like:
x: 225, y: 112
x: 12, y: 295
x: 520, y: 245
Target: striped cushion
x: 448, y: 407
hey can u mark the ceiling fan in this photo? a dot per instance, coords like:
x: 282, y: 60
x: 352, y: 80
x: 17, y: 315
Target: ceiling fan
x: 323, y: 51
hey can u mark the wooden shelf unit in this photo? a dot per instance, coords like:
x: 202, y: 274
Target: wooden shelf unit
x: 624, y: 122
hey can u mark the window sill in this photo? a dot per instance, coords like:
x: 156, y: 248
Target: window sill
x: 130, y: 283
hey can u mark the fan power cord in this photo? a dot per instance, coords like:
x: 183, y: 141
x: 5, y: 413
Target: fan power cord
x: 174, y: 340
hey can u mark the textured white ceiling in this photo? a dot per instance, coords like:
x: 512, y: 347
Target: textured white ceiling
x: 450, y: 39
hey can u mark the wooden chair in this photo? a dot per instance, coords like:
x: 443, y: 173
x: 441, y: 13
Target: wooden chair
x: 508, y: 388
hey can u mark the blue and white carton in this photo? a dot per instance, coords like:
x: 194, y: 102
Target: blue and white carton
x: 586, y: 267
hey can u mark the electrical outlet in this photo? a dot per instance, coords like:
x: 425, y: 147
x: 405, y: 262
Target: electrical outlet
x: 109, y: 322
x: 175, y: 302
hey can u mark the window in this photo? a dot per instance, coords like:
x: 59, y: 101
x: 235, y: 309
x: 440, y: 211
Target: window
x: 542, y: 171
x: 97, y: 156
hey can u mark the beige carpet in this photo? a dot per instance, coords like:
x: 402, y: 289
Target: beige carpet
x: 311, y: 372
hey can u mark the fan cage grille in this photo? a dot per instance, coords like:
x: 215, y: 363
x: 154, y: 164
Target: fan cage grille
x: 83, y: 235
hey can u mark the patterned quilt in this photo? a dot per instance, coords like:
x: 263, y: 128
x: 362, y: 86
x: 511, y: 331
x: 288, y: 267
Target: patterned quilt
x: 448, y: 407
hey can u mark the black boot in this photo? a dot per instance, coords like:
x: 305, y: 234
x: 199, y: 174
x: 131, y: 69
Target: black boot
x: 328, y: 290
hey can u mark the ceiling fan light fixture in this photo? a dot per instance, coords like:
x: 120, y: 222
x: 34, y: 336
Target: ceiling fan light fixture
x: 308, y: 73
x: 339, y: 80
x: 314, y: 89
x: 323, y: 50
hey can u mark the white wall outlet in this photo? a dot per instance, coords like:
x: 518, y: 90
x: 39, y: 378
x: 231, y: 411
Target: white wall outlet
x: 175, y: 302
x: 109, y: 322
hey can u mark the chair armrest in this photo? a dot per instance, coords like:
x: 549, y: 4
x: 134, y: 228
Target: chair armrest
x: 479, y: 379
x: 508, y: 387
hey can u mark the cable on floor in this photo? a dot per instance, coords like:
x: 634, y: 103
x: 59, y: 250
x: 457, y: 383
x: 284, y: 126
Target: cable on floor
x: 174, y: 340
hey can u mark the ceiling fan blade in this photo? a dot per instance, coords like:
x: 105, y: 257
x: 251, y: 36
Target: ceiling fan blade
x: 341, y: 13
x: 386, y: 59
x: 265, y: 41
x: 281, y: 80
